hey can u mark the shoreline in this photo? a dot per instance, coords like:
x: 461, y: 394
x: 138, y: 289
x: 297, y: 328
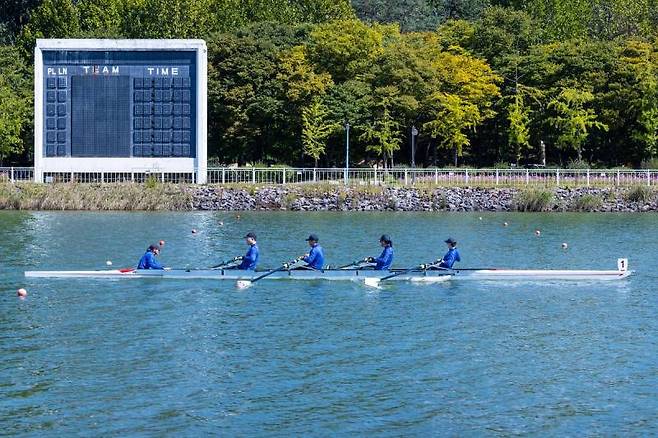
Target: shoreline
x: 321, y: 197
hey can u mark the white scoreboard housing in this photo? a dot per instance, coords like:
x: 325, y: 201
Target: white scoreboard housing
x: 120, y: 107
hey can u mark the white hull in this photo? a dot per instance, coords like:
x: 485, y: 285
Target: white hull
x: 350, y: 275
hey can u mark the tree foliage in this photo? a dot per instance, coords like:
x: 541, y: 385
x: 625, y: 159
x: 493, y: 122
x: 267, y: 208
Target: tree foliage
x: 15, y: 102
x: 484, y: 80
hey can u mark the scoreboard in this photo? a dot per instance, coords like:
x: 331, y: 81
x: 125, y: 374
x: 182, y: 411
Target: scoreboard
x: 120, y: 106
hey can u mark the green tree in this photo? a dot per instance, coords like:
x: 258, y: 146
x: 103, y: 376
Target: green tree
x: 250, y: 115
x: 464, y: 89
x: 171, y: 19
x: 52, y: 19
x: 518, y: 116
x: 316, y: 128
x: 302, y: 82
x: 383, y: 132
x: 572, y: 120
x: 15, y: 102
x: 638, y: 87
x: 15, y: 14
x: 345, y: 48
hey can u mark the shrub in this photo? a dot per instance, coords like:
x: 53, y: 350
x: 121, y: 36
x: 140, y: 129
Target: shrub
x: 578, y: 164
x: 588, y: 202
x: 642, y: 194
x: 534, y: 200
x: 650, y: 164
x: 151, y: 182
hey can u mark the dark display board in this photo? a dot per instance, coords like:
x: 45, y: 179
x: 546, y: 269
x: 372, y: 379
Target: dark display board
x: 100, y: 116
x: 119, y: 104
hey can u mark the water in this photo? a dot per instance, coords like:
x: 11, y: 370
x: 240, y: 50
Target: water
x: 150, y: 357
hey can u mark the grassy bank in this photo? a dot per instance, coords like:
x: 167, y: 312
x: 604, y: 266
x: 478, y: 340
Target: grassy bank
x: 309, y: 197
x: 30, y: 196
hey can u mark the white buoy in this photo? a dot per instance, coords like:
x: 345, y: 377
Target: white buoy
x: 162, y: 243
x: 480, y: 218
x: 537, y: 233
x: 108, y: 263
x: 564, y: 245
x: 21, y: 293
x: 505, y: 224
x: 193, y: 230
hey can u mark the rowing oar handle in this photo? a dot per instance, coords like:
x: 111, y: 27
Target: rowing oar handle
x: 406, y: 271
x: 284, y: 267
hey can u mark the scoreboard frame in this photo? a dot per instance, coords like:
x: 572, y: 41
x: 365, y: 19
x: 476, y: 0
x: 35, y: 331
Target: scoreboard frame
x: 195, y: 164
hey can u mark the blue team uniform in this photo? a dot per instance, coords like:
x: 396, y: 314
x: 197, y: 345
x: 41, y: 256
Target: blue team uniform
x: 250, y: 260
x: 450, y: 258
x: 315, y: 258
x: 385, y: 259
x: 148, y: 261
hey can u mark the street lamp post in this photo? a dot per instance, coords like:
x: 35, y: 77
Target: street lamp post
x: 347, y: 152
x: 414, y: 133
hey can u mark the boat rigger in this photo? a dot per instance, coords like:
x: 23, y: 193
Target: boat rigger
x: 415, y: 275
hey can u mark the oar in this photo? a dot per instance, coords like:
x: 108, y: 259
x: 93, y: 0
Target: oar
x: 244, y: 284
x: 374, y: 282
x: 356, y: 263
x: 224, y: 264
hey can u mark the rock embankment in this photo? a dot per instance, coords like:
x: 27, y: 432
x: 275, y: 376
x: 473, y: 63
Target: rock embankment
x: 338, y: 198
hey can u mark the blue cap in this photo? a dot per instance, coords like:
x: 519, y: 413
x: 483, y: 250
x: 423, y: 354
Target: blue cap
x: 313, y: 238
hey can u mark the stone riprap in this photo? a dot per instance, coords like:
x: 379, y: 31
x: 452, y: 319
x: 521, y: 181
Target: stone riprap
x: 299, y: 198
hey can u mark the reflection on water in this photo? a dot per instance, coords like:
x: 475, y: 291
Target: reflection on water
x: 322, y: 358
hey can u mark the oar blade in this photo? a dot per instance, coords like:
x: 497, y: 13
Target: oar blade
x: 243, y: 284
x: 372, y: 282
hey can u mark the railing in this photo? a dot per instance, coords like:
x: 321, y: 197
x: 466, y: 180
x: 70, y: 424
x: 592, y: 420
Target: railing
x: 365, y: 176
x: 13, y: 174
x: 438, y: 177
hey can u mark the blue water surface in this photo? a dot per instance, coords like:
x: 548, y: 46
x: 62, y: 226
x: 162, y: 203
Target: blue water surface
x: 284, y: 358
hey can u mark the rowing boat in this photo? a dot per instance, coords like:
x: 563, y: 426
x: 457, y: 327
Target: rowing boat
x: 417, y: 276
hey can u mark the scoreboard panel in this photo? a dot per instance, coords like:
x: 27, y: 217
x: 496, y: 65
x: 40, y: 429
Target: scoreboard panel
x: 123, y: 103
x: 119, y: 104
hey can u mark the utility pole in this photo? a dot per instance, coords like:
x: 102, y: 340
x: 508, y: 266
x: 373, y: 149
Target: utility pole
x: 347, y: 152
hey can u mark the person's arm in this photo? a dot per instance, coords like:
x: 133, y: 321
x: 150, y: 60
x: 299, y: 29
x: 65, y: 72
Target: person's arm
x: 312, y: 255
x: 457, y: 258
x: 250, y: 256
x: 154, y: 263
x: 382, y: 257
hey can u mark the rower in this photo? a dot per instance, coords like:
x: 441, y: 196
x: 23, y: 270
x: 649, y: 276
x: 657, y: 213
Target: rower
x: 250, y: 260
x: 315, y: 257
x: 385, y: 259
x: 148, y: 260
x: 451, y: 256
